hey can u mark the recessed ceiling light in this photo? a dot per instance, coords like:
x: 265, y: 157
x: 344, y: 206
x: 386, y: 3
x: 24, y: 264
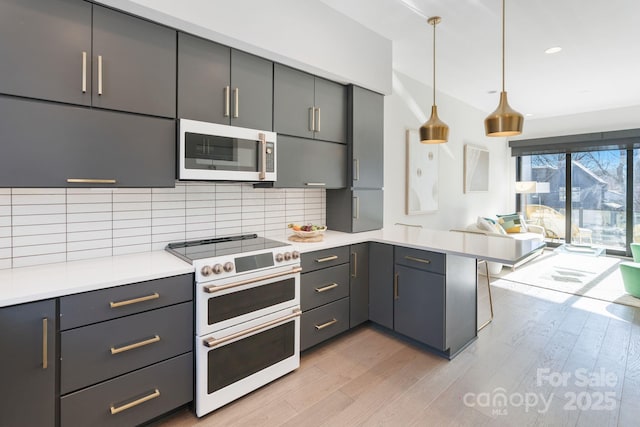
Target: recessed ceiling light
x: 554, y: 49
x: 529, y: 114
x: 491, y: 92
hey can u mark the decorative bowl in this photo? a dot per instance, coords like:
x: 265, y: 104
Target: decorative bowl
x: 305, y: 234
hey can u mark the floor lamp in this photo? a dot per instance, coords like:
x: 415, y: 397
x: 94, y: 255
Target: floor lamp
x: 529, y: 187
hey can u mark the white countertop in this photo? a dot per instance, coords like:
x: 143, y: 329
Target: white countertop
x: 26, y: 284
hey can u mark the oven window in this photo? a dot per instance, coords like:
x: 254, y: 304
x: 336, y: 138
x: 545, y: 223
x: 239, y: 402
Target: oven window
x: 240, y: 359
x: 211, y: 152
x: 242, y: 302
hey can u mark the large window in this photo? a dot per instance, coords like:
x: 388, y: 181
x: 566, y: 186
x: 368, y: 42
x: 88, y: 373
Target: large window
x: 591, y: 194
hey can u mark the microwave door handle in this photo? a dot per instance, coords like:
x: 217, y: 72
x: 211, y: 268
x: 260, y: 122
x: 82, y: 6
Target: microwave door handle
x: 263, y: 156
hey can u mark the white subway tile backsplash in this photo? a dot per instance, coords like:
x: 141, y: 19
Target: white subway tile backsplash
x: 39, y: 226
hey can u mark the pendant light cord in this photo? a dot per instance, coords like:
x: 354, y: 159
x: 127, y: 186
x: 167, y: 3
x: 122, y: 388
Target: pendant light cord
x: 434, y: 63
x: 503, y: 31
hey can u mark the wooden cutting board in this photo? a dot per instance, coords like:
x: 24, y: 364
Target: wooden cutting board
x: 299, y: 239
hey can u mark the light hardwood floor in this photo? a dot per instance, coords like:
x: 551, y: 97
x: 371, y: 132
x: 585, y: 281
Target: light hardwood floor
x: 369, y: 377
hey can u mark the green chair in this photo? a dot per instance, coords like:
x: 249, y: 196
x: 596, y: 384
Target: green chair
x: 631, y: 277
x: 635, y: 251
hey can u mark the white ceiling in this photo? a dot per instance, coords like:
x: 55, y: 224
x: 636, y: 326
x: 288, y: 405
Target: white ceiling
x: 597, y: 69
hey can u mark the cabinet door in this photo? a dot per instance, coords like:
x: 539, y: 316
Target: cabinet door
x: 80, y: 143
x: 41, y: 46
x: 367, y: 138
x: 251, y: 91
x: 27, y: 338
x: 331, y: 114
x: 204, y: 89
x: 293, y: 101
x: 381, y: 284
x: 359, y: 285
x: 419, y: 305
x: 367, y: 210
x: 305, y: 163
x: 138, y: 64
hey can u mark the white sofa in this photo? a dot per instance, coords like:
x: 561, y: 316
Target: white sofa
x: 534, y: 232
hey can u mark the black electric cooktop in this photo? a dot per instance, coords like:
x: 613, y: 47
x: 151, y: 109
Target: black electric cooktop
x: 221, y: 246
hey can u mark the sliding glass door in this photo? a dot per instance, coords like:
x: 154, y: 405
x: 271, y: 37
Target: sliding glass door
x: 636, y: 197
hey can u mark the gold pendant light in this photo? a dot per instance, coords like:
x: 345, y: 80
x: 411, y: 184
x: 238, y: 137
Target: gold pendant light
x: 505, y: 121
x: 434, y: 130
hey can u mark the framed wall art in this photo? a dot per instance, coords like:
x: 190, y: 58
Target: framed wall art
x: 422, y: 175
x: 476, y: 169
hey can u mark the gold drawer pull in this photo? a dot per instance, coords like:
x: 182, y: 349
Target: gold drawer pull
x: 115, y: 410
x: 327, y: 288
x: 136, y: 345
x: 424, y: 261
x: 326, y: 325
x: 329, y: 258
x: 45, y: 342
x: 396, y: 292
x: 117, y: 304
x: 90, y: 181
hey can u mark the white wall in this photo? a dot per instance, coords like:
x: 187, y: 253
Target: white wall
x: 408, y: 107
x: 307, y: 35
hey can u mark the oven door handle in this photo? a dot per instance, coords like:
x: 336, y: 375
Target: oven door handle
x: 212, y: 342
x: 210, y: 289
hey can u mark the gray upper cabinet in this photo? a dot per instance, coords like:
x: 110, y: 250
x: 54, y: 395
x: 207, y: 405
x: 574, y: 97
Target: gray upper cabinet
x: 27, y: 364
x: 308, y: 106
x: 218, y: 84
x: 76, y: 143
x: 42, y: 45
x: 305, y: 163
x: 367, y: 136
x: 72, y: 52
x: 134, y: 64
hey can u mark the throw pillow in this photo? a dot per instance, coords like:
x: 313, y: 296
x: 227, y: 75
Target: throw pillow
x: 510, y: 222
x: 523, y: 225
x: 490, y: 225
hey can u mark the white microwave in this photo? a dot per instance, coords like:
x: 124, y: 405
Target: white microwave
x: 215, y: 152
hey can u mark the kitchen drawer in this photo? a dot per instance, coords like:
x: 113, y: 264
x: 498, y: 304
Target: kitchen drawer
x: 422, y: 260
x: 97, y: 306
x: 311, y: 261
x: 86, y: 353
x: 323, y: 286
x: 171, y: 380
x: 323, y: 323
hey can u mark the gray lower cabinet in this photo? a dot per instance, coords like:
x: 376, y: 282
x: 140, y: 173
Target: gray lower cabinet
x: 218, y: 84
x: 308, y: 163
x: 74, y: 52
x: 28, y: 364
x: 308, y: 106
x: 47, y: 145
x: 359, y: 285
x: 324, y: 295
x: 131, y: 399
x: 381, y: 284
x: 126, y: 353
x: 353, y: 211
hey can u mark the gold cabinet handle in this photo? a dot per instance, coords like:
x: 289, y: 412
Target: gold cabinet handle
x: 117, y: 304
x: 210, y: 289
x: 236, y: 100
x: 312, y: 119
x: 325, y: 259
x: 45, y: 343
x: 326, y: 288
x: 356, y: 207
x: 212, y: 342
x: 318, y: 120
x: 99, y: 74
x: 396, y: 292
x: 354, y: 272
x: 226, y: 101
x: 90, y: 181
x: 119, y: 350
x: 84, y: 72
x: 315, y: 184
x: 411, y: 258
x: 326, y: 325
x: 117, y: 409
x: 356, y: 169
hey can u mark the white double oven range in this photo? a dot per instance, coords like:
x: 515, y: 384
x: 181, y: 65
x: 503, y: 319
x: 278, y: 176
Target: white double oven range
x: 247, y: 325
